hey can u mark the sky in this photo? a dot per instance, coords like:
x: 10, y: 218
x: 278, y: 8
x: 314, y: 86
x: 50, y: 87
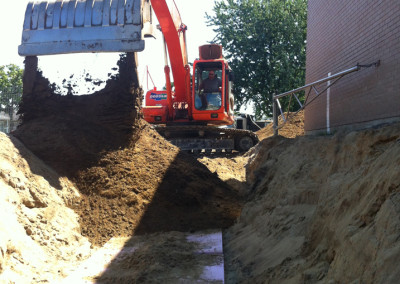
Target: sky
x: 57, y: 67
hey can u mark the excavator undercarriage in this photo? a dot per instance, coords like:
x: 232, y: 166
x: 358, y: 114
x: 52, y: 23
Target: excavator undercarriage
x: 195, y: 139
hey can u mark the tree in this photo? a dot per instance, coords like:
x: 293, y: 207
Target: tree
x: 264, y: 41
x: 10, y: 88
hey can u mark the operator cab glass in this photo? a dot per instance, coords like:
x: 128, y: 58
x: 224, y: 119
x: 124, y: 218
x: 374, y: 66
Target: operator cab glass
x: 208, y: 87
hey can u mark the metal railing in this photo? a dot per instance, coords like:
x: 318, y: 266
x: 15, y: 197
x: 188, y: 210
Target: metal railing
x: 308, y: 88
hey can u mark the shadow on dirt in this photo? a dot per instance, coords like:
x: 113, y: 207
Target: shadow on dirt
x: 189, y: 199
x: 69, y: 145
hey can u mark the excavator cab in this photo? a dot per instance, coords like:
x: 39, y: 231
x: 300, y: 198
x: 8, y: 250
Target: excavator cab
x: 212, y: 84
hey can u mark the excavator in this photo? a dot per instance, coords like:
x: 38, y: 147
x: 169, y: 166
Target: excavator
x: 184, y: 113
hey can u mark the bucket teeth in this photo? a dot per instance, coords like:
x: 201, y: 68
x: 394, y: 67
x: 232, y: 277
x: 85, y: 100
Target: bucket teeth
x: 77, y: 26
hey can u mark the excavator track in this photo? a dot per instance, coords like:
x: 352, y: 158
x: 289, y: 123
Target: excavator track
x: 196, y: 139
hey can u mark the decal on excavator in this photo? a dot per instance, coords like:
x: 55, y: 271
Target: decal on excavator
x: 158, y: 97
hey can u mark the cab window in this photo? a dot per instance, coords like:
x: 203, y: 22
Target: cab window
x: 208, y: 88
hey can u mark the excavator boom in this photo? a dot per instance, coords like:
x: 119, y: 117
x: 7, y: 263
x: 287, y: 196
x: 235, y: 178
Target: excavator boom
x: 174, y: 35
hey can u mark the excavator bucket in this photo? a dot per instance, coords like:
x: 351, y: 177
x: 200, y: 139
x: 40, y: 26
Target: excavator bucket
x: 79, y: 26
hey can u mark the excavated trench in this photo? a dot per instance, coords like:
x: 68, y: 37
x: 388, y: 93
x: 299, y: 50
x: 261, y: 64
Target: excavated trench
x: 322, y: 209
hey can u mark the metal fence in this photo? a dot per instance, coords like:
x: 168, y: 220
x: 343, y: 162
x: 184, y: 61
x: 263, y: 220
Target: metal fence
x: 9, y: 104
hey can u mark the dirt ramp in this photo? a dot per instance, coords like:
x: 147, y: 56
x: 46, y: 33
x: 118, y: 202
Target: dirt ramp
x: 149, y: 187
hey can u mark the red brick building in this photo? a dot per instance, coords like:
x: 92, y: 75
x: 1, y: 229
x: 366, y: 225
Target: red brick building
x: 340, y: 34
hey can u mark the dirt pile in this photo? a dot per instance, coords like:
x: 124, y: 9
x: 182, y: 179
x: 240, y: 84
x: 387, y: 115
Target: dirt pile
x: 152, y: 187
x: 292, y: 128
x: 319, y: 209
x: 322, y: 210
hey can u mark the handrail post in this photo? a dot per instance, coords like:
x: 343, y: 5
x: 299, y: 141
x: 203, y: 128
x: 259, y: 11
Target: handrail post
x: 275, y: 116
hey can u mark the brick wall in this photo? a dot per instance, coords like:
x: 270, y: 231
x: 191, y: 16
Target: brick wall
x: 340, y: 34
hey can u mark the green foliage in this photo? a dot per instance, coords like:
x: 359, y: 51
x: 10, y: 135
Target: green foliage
x: 264, y: 41
x: 11, y: 78
x: 10, y: 87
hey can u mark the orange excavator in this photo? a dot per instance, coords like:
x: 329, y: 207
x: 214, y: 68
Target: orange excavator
x: 189, y: 114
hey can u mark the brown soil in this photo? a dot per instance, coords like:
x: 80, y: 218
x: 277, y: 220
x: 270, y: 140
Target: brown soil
x: 149, y: 187
x: 294, y: 210
x: 132, y: 180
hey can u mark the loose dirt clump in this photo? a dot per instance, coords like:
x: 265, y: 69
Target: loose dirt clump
x: 71, y: 132
x: 132, y: 180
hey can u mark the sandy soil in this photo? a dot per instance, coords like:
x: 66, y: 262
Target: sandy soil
x: 293, y: 210
x: 40, y: 236
x: 321, y: 210
x: 293, y: 127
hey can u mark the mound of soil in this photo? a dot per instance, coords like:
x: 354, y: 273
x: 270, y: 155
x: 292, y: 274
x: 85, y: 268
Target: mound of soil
x: 293, y: 127
x: 149, y: 186
x: 133, y: 181
x: 39, y: 235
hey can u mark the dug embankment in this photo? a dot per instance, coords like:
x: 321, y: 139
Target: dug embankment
x: 320, y: 210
